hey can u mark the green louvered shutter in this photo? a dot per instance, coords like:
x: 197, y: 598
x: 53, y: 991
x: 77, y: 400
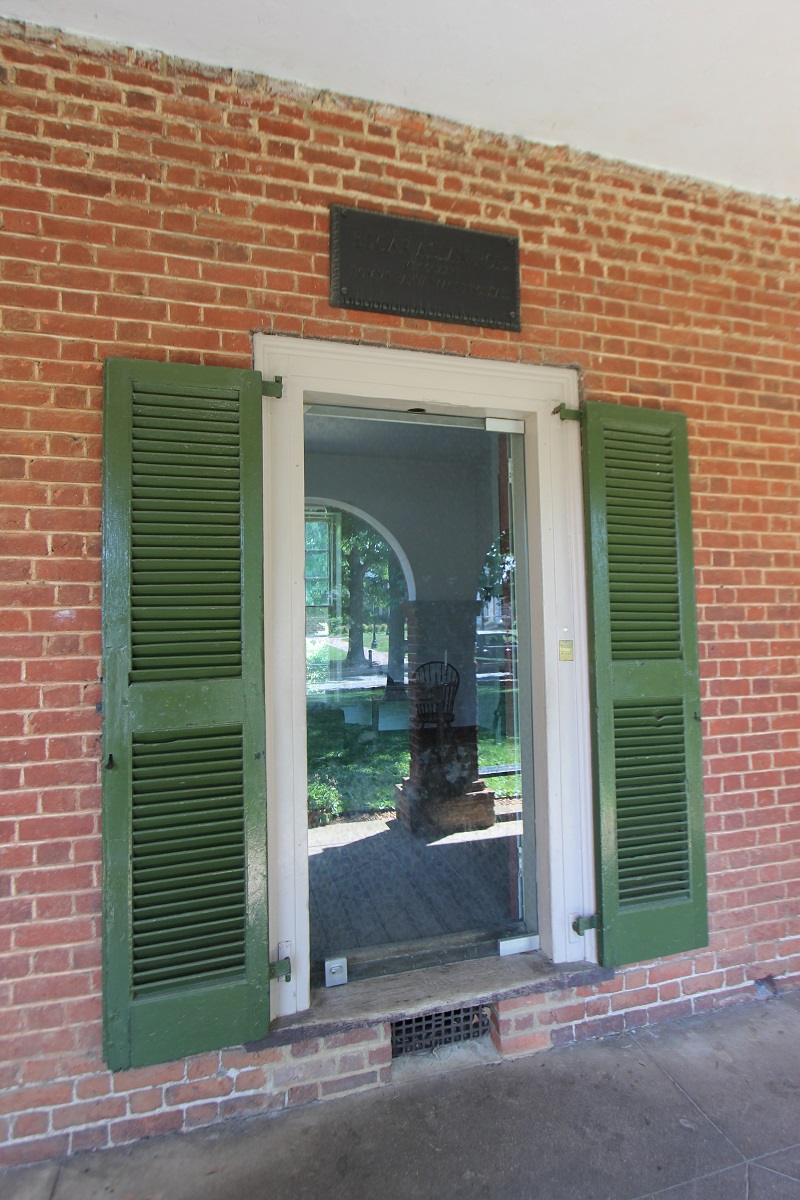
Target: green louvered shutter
x: 185, y: 959
x: 649, y: 819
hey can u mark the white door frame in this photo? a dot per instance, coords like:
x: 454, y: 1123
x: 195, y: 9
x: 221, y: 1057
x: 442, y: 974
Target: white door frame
x: 374, y: 377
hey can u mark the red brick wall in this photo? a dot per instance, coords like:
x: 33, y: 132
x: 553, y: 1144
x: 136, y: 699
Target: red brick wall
x: 152, y: 208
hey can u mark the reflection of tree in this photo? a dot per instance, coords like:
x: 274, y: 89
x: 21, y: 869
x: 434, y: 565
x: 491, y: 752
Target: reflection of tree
x: 372, y: 584
x: 496, y: 585
x: 396, y: 621
x: 497, y: 571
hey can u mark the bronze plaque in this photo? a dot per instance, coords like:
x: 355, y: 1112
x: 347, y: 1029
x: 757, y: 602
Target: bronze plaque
x: 420, y: 269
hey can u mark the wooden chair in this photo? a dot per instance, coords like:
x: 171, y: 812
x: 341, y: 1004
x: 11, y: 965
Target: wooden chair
x: 434, y: 686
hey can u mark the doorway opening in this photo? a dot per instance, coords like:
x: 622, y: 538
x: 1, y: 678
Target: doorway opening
x: 558, y: 870
x: 418, y: 714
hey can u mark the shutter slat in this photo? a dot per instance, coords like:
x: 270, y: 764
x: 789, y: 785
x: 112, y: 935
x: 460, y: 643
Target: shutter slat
x: 201, y: 838
x: 168, y: 594
x: 161, y: 898
x: 226, y: 409
x: 180, y: 674
x: 151, y: 931
x: 182, y: 471
x: 179, y: 788
x: 176, y: 813
x: 222, y: 737
x: 186, y: 977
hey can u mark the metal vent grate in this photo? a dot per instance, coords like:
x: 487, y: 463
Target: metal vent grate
x: 439, y: 1029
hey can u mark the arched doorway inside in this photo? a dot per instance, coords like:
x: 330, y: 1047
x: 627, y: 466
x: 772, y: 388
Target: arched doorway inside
x: 357, y: 574
x: 358, y: 584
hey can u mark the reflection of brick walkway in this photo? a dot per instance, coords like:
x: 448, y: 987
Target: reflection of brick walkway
x: 378, y: 678
x: 349, y: 680
x: 381, y: 657
x: 373, y: 883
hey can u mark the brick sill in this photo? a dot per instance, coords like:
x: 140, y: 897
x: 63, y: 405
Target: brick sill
x: 393, y: 997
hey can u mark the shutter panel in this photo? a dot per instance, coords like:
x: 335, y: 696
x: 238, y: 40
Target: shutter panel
x: 185, y: 950
x: 647, y: 752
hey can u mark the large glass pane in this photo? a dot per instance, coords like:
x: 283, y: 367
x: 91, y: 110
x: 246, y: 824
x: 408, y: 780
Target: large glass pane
x: 413, y: 696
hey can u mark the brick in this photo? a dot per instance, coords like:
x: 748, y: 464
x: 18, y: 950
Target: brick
x: 201, y: 1089
x: 32, y: 1124
x: 202, y: 1066
x: 524, y: 1043
x: 89, y: 1113
x: 502, y: 1007
x: 703, y: 983
x: 37, y: 1150
x: 145, y: 1101
x: 47, y: 1096
x: 95, y: 1137
x: 305, y: 1049
x: 133, y: 1128
x: 249, y: 1106
x: 354, y: 1037
x: 92, y: 1086
x: 199, y: 1115
x: 250, y: 1079
x: 348, y: 1083
x: 144, y: 1077
x: 304, y: 1094
x: 238, y: 1059
x: 601, y: 1027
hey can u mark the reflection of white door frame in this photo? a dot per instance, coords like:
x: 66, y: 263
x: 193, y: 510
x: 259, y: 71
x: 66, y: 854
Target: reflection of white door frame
x: 327, y: 372
x: 386, y: 534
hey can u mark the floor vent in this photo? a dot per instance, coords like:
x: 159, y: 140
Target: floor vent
x: 439, y: 1029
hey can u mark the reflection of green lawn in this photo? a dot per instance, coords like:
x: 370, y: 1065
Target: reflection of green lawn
x: 503, y: 753
x: 318, y: 655
x: 319, y: 650
x: 354, y: 768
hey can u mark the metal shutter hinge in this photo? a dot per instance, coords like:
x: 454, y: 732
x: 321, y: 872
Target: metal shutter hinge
x: 282, y: 969
x: 567, y: 414
x: 272, y: 387
x: 582, y: 925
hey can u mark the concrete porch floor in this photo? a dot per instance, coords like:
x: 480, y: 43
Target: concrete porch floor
x: 706, y: 1108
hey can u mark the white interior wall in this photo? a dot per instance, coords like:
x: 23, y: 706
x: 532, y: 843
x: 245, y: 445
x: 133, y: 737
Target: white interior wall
x: 439, y: 513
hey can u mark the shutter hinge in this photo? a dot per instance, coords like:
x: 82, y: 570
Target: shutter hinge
x: 582, y: 925
x: 568, y: 414
x: 282, y: 969
x: 272, y: 387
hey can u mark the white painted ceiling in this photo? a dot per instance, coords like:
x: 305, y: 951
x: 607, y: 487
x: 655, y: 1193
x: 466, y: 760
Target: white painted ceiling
x: 706, y: 88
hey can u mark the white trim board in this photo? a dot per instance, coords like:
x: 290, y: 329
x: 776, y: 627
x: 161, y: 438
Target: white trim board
x: 366, y: 376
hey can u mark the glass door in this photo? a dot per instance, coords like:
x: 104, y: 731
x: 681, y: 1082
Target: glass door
x: 418, y: 722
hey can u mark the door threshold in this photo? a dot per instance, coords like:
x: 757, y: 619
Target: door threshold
x: 372, y: 962
x: 393, y: 997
